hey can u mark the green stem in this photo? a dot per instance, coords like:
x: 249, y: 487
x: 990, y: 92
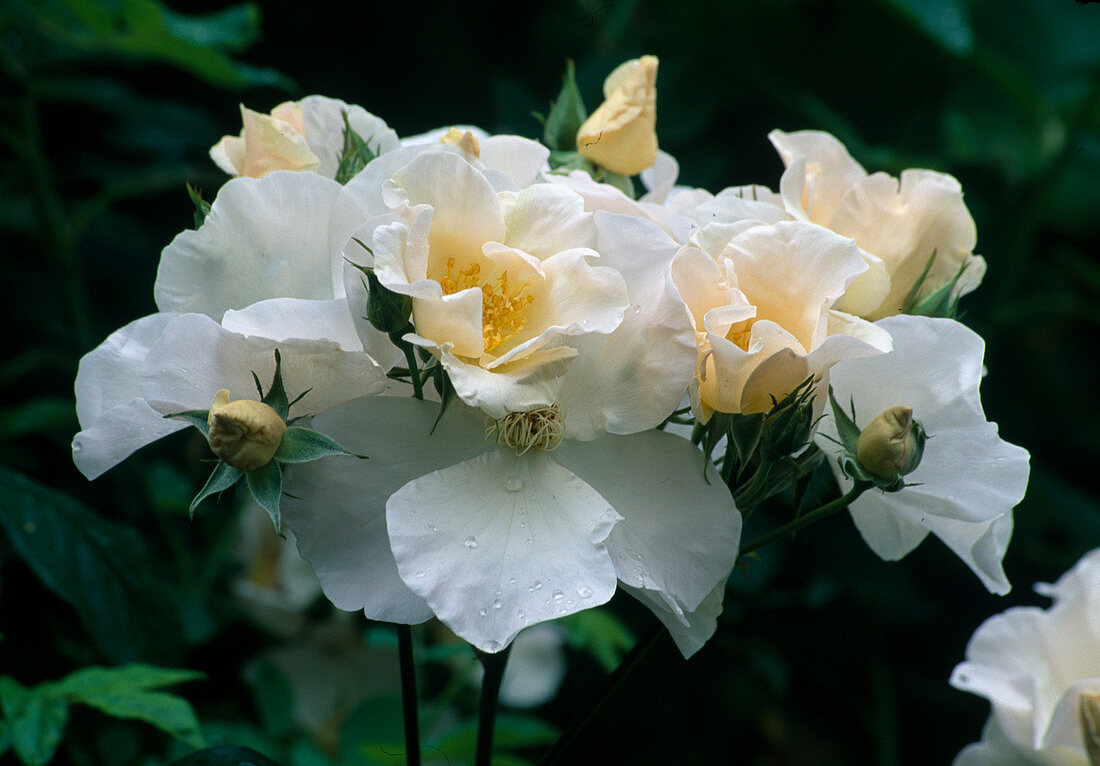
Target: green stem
x: 494, y: 665
x: 807, y: 518
x: 408, y: 695
x: 610, y: 685
x: 410, y: 360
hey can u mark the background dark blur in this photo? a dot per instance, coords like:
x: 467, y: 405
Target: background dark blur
x: 828, y: 655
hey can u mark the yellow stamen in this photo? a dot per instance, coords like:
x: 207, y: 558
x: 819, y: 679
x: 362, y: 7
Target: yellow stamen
x: 502, y: 309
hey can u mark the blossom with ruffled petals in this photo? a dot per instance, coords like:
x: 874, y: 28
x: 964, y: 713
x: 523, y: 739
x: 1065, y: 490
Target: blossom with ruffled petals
x: 306, y: 135
x: 899, y: 223
x: 968, y: 479
x: 496, y: 523
x: 1040, y: 670
x: 760, y: 298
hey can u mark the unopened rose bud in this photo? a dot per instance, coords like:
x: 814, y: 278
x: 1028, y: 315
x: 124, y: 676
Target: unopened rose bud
x: 466, y: 141
x: 245, y: 433
x: 621, y: 135
x: 1090, y: 726
x: 268, y: 142
x: 892, y: 444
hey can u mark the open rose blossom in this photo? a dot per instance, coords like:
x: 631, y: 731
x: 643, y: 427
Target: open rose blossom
x: 1040, y: 671
x: 496, y: 520
x: 898, y: 224
x: 760, y: 298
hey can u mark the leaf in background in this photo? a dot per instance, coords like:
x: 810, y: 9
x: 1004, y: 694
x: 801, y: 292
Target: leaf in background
x: 35, y: 721
x: 274, y: 698
x: 373, y: 732
x: 945, y: 21
x: 37, y: 416
x: 125, y: 692
x: 101, y: 568
x: 601, y: 634
x: 513, y: 731
x: 227, y: 755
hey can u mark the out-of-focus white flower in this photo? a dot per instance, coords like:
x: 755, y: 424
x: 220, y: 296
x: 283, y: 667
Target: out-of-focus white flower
x: 1037, y: 667
x: 542, y: 513
x: 900, y: 224
x: 499, y: 281
x: 968, y: 479
x: 760, y: 298
x: 536, y: 667
x: 306, y: 135
x: 621, y: 135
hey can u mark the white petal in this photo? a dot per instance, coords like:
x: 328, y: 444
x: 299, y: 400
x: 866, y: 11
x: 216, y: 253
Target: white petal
x: 660, y: 177
x: 500, y: 542
x: 536, y: 667
x: 339, y: 512
x: 826, y: 172
x: 263, y: 238
x: 521, y: 159
x: 108, y: 376
x: 117, y: 433
x: 324, y: 130
x: 678, y: 534
x: 545, y: 219
x: 631, y: 379
x: 292, y: 318
x: 195, y: 357
x: 690, y: 629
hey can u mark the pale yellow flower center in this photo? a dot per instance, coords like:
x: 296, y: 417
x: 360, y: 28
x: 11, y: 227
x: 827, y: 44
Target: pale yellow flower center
x: 503, y: 305
x: 540, y: 428
x: 740, y: 333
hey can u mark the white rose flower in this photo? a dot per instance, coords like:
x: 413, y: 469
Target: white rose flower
x: 546, y: 513
x: 968, y: 479
x: 306, y: 135
x: 1037, y: 667
x: 760, y: 299
x: 899, y: 224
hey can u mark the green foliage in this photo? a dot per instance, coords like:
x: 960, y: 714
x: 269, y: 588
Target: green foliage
x: 355, y: 156
x: 600, y: 633
x: 102, y: 569
x: 202, y: 207
x: 566, y: 116
x: 227, y: 755
x: 35, y: 718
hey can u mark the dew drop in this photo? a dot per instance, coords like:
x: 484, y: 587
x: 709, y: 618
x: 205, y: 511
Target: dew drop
x: 482, y: 612
x: 584, y: 591
x: 420, y: 573
x: 497, y: 603
x: 513, y: 484
x: 433, y: 527
x: 530, y: 541
x: 634, y: 554
x: 636, y: 309
x: 537, y: 585
x: 520, y: 613
x: 511, y: 581
x: 470, y: 542
x: 523, y: 525
x: 558, y: 595
x: 492, y: 646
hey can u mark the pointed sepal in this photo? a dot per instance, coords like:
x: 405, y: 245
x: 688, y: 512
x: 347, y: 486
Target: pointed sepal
x: 266, y: 486
x: 200, y: 419
x: 567, y: 113
x: 222, y: 478
x: 275, y: 398
x: 302, y: 445
x: 355, y: 156
x: 202, y: 207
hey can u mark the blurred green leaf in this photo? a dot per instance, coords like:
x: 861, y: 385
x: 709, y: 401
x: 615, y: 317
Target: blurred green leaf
x: 144, y: 29
x: 38, y: 416
x: 227, y: 755
x: 274, y: 698
x: 101, y: 568
x: 35, y: 720
x: 373, y: 732
x: 513, y: 731
x: 945, y: 21
x: 600, y: 633
x: 124, y: 692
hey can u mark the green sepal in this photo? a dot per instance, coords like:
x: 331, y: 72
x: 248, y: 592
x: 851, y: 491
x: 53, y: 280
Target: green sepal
x: 567, y: 161
x: 713, y: 431
x: 202, y: 207
x: 446, y: 390
x: 200, y: 419
x: 940, y: 302
x: 221, y: 478
x: 744, y: 434
x: 846, y: 428
x: 355, y: 156
x: 567, y: 114
x: 788, y: 425
x: 301, y: 445
x: 266, y: 486
x: 620, y: 182
x: 275, y: 398
x: 387, y: 311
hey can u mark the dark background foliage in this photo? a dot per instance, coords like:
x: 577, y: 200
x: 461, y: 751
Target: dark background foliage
x: 827, y: 655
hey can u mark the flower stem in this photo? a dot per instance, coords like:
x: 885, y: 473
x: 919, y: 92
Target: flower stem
x: 408, y: 695
x: 494, y: 664
x: 410, y: 360
x: 610, y: 685
x: 807, y: 518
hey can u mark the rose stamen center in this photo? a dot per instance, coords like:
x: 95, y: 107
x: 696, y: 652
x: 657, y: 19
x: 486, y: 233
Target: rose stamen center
x: 503, y: 308
x: 541, y: 428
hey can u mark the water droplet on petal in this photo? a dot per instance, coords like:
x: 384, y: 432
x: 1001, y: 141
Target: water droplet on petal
x: 470, y: 542
x: 497, y: 603
x: 537, y: 585
x: 482, y: 612
x: 584, y: 591
x: 520, y: 613
x: 492, y: 646
x: 634, y: 554
x: 636, y: 309
x: 513, y: 484
x: 558, y: 595
x: 511, y: 581
x: 420, y: 573
x: 433, y: 527
x: 530, y: 541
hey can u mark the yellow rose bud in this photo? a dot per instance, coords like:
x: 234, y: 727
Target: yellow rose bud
x: 892, y: 444
x: 467, y: 141
x: 268, y: 142
x: 621, y: 135
x: 1090, y: 726
x: 245, y: 433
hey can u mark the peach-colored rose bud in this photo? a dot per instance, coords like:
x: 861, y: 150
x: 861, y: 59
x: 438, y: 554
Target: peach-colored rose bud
x: 268, y: 142
x: 466, y: 141
x: 621, y: 135
x: 245, y: 433
x: 892, y: 444
x: 1090, y: 726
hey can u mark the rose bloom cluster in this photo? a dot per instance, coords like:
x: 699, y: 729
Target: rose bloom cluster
x: 532, y: 327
